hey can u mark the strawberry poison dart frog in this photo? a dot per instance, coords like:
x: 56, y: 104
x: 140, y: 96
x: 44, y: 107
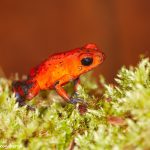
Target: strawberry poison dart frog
x: 57, y: 70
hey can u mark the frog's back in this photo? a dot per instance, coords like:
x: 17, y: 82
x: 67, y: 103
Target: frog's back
x: 51, y: 69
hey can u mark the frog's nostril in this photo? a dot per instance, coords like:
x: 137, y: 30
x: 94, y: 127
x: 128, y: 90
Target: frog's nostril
x: 101, y: 56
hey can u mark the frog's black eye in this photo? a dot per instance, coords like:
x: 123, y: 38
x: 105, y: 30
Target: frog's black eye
x: 87, y: 61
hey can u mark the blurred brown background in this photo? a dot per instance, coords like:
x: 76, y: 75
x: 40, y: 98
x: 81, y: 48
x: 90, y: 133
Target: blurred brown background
x: 32, y: 30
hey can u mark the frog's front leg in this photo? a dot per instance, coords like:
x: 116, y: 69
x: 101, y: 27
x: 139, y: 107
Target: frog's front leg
x: 61, y: 92
x: 65, y: 96
x: 76, y: 84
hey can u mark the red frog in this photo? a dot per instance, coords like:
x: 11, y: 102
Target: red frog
x: 58, y: 70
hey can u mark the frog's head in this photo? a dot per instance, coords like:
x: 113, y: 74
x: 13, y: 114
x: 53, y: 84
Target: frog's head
x: 90, y: 57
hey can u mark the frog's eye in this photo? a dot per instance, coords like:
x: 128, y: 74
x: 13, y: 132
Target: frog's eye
x: 87, y: 61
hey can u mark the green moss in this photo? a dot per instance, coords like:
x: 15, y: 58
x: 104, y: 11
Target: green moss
x: 117, y: 116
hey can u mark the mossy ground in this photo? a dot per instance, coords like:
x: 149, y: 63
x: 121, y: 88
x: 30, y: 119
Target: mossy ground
x: 117, y: 116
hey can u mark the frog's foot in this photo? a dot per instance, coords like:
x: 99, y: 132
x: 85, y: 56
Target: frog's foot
x: 76, y: 100
x: 21, y: 102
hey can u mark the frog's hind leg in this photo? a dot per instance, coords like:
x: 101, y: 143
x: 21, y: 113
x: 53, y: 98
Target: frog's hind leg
x: 21, y: 102
x: 32, y: 89
x: 19, y: 94
x: 25, y: 90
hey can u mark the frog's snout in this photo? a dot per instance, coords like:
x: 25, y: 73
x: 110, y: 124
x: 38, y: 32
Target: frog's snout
x: 101, y: 57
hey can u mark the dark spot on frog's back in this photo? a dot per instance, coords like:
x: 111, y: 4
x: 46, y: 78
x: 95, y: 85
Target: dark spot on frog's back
x: 58, y: 56
x: 61, y: 63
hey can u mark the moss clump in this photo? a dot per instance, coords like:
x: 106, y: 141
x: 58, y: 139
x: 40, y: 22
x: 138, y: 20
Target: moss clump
x: 117, y: 118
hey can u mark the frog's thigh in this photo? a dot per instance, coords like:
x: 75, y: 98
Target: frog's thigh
x: 60, y: 90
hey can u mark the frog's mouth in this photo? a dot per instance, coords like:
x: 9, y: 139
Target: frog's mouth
x: 104, y: 56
